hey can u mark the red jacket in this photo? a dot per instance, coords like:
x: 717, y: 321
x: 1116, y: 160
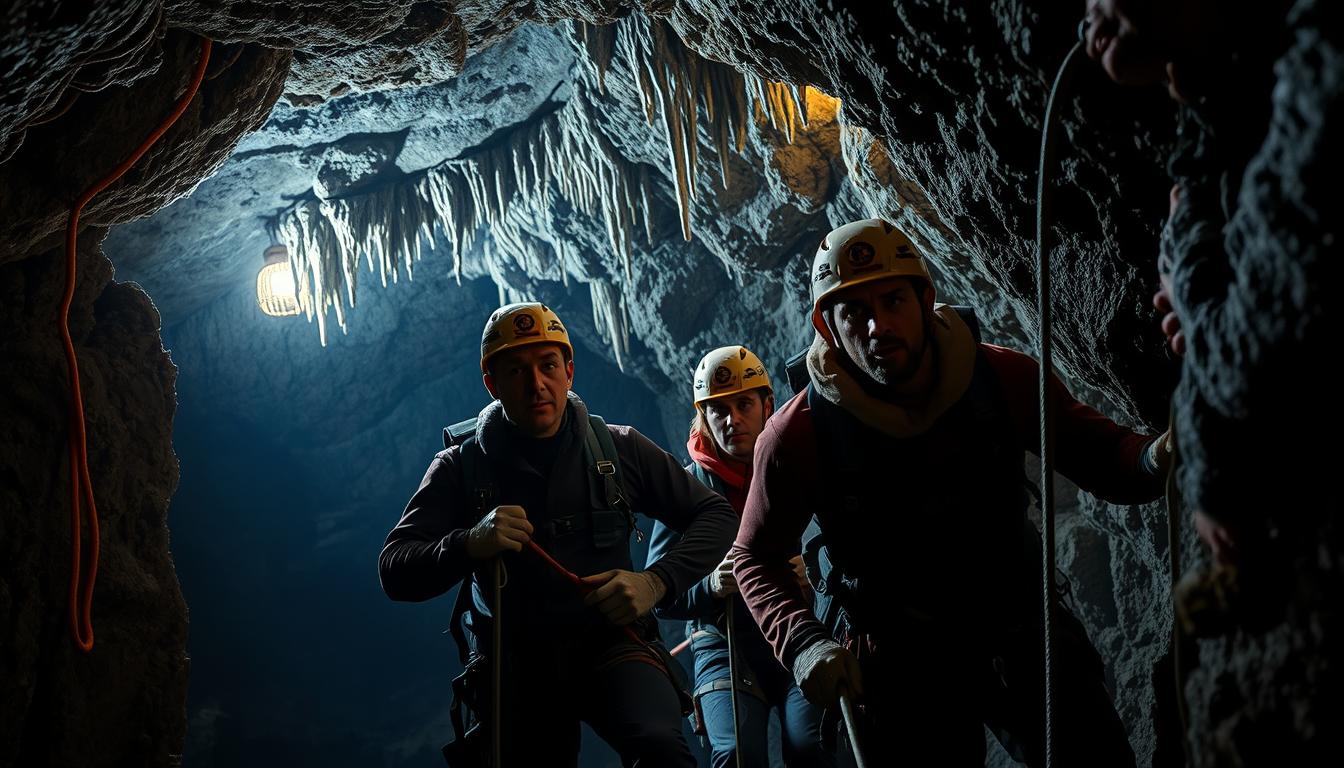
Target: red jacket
x: 1094, y: 452
x: 736, y: 477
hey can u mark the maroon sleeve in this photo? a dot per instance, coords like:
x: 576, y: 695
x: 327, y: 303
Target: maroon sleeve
x: 779, y: 505
x: 1098, y: 455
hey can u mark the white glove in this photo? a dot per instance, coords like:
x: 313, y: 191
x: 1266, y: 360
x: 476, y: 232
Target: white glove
x: 722, y: 583
x: 822, y: 668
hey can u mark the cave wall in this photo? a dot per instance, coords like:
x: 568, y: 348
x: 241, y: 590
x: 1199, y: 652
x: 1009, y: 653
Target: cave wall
x: 938, y: 132
x: 122, y: 704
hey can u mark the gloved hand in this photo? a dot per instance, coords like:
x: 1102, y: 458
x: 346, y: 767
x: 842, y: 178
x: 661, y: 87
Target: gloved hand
x: 822, y: 668
x: 505, y: 529
x: 1171, y: 323
x: 800, y: 572
x: 722, y: 582
x: 1221, y: 540
x: 623, y: 596
x: 1159, y: 454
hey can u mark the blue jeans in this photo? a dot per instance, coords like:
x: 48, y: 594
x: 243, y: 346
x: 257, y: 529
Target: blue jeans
x: 758, y: 673
x: 800, y: 729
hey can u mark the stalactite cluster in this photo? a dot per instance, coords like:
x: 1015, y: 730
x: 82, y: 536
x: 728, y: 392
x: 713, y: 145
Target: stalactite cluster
x: 675, y: 83
x: 563, y: 155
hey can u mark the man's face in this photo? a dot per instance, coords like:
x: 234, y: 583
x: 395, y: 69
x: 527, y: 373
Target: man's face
x: 737, y: 420
x: 532, y: 382
x: 1134, y: 39
x: 880, y: 327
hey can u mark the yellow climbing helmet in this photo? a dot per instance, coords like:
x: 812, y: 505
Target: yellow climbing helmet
x: 861, y: 252
x: 727, y: 371
x: 516, y: 325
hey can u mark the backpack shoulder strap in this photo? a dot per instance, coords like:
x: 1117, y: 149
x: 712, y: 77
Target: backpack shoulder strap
x: 795, y: 370
x: 457, y: 434
x: 990, y: 408
x: 600, y: 453
x: 967, y: 315
x: 832, y: 426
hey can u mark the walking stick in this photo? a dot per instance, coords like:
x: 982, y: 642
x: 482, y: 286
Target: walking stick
x: 731, y: 604
x: 497, y: 650
x: 851, y: 725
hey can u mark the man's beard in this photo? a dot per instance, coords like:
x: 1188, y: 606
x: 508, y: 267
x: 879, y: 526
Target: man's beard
x: 889, y: 376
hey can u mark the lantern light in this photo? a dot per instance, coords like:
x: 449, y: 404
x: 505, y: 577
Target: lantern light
x: 276, y: 293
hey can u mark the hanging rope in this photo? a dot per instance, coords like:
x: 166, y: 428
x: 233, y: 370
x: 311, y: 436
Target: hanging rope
x: 81, y: 581
x: 1172, y: 498
x: 1047, y: 415
x: 574, y: 579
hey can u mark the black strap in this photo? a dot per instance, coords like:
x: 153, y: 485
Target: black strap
x: 990, y: 407
x: 967, y: 315
x: 795, y: 370
x: 599, y: 452
x: 457, y: 434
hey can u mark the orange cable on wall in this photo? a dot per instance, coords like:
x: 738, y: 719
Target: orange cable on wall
x: 81, y: 581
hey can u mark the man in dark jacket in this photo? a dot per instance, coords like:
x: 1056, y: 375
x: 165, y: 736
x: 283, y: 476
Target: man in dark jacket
x: 908, y: 446
x: 1248, y: 265
x: 733, y: 399
x: 534, y: 472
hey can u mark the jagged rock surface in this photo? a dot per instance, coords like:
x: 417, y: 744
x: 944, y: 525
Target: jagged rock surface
x: 50, y: 54
x: 124, y: 703
x: 57, y: 163
x: 939, y: 132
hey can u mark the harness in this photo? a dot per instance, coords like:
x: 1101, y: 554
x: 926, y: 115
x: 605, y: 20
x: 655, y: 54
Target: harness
x: 608, y: 520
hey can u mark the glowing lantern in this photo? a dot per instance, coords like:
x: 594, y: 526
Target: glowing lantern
x: 276, y: 293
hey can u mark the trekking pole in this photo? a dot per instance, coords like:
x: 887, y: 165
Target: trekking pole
x: 851, y: 724
x: 497, y: 650
x: 732, y: 676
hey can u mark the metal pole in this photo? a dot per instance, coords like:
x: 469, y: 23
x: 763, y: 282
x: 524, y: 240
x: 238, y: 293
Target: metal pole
x: 851, y: 725
x: 731, y: 608
x: 497, y: 651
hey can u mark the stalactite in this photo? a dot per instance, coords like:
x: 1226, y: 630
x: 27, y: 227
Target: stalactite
x: 314, y: 252
x: 562, y: 155
x: 675, y: 82
x: 611, y: 318
x: 600, y: 43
